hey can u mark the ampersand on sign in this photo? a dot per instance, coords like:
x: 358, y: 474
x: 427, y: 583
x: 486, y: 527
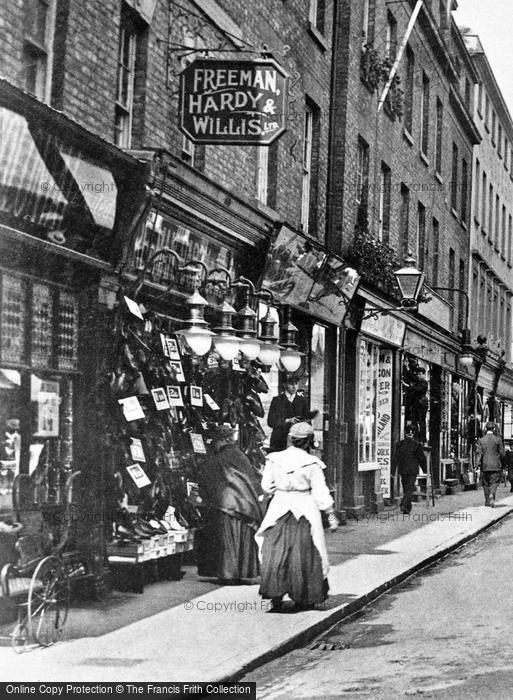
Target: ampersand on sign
x: 269, y: 107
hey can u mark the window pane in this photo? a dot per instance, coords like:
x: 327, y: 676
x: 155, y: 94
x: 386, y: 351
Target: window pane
x: 13, y: 319
x: 10, y: 443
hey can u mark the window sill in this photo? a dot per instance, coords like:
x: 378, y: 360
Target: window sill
x: 477, y: 222
x: 509, y: 264
x: 479, y: 112
x: 496, y: 249
x: 503, y: 257
x: 483, y: 231
x: 487, y: 127
x: 439, y: 177
x: 464, y: 225
x: 317, y: 36
x: 505, y: 165
x: 424, y: 158
x: 407, y: 136
x: 499, y: 154
x: 454, y: 213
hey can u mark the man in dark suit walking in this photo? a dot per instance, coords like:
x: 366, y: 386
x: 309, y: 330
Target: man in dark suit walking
x: 286, y: 409
x: 408, y: 457
x: 490, y: 451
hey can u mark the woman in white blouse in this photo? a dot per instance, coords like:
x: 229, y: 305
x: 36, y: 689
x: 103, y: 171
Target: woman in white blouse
x: 291, y: 541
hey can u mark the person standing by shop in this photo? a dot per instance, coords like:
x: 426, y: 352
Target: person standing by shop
x: 408, y: 457
x: 507, y: 463
x: 291, y: 541
x: 231, y: 493
x: 286, y: 409
x: 490, y: 452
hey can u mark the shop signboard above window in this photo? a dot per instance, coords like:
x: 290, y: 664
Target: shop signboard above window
x: 301, y: 272
x: 163, y: 232
x: 233, y: 102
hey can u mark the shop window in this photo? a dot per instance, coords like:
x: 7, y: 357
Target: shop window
x: 368, y: 379
x: 416, y: 392
x: 38, y: 338
x: 31, y: 425
x: 161, y: 231
x: 459, y: 418
x: 45, y: 337
x: 445, y: 416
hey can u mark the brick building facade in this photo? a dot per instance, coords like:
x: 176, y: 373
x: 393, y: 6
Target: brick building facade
x: 370, y: 184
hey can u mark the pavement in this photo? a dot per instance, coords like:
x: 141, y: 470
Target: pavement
x: 197, y: 630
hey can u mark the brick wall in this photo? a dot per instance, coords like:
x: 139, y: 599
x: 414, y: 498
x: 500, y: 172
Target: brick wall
x: 84, y: 82
x: 389, y: 143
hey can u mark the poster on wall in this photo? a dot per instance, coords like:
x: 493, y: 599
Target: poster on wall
x: 47, y: 407
x: 384, y: 420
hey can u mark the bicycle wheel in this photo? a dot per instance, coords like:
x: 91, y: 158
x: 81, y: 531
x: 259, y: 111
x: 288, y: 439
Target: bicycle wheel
x: 48, y: 601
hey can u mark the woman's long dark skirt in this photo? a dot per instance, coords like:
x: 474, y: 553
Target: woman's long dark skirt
x: 227, y: 548
x: 291, y: 564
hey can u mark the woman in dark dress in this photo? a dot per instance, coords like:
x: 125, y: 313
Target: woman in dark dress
x: 230, y: 489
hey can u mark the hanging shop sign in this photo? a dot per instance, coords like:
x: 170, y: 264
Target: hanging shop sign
x: 233, y: 102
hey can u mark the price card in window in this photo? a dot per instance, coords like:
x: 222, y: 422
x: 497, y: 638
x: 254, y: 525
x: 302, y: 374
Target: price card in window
x: 138, y: 475
x: 210, y: 402
x: 174, y: 395
x: 136, y: 450
x: 132, y: 409
x: 178, y: 370
x: 133, y: 307
x: 172, y: 348
x: 196, y: 394
x: 160, y: 399
x: 163, y: 342
x: 197, y: 443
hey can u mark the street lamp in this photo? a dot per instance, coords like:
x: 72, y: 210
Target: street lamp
x: 409, y: 281
x: 290, y: 356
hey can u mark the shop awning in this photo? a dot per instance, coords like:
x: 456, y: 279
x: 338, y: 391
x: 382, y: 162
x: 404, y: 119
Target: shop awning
x: 62, y: 183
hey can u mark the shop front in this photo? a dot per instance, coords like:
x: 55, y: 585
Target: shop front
x: 192, y: 304
x: 66, y: 200
x: 437, y: 399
